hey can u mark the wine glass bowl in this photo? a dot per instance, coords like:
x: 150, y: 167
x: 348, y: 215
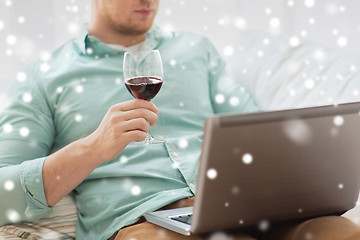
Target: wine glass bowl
x: 144, y: 88
x: 143, y: 77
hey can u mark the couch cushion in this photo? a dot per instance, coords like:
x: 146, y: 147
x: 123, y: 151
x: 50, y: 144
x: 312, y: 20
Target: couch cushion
x: 285, y: 73
x: 58, y: 224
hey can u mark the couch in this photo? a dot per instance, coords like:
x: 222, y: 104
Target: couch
x: 280, y: 72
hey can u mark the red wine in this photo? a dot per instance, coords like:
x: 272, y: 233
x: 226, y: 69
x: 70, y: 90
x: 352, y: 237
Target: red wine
x: 144, y: 87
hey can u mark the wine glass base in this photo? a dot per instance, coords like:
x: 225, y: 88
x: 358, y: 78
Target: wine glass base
x: 148, y: 142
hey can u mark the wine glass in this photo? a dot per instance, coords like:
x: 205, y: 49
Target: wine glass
x: 143, y: 77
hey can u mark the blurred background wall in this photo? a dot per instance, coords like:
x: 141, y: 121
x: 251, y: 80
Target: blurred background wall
x: 32, y: 29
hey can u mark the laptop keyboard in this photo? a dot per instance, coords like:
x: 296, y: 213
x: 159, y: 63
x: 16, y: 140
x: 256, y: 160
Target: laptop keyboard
x: 183, y: 218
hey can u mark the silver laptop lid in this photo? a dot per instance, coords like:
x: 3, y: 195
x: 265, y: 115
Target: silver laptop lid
x: 263, y: 167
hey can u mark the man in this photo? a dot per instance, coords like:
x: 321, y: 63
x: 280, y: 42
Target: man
x: 69, y: 126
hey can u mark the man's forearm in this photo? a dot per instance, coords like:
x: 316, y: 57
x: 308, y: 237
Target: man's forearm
x: 65, y: 169
x: 123, y: 123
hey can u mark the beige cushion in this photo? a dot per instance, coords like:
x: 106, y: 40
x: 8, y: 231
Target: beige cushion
x: 58, y: 224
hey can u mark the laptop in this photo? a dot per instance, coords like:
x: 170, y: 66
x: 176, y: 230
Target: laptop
x: 260, y: 168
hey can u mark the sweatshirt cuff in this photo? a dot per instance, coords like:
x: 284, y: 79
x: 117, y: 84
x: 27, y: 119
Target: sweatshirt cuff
x: 32, y: 182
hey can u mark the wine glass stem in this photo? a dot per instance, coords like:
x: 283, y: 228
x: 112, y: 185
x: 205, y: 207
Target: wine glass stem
x: 149, y: 137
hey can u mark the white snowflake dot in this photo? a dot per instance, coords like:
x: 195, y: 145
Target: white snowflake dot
x: 183, y: 143
x: 334, y: 32
x: 308, y: 236
x: 44, y: 67
x: 45, y: 56
x: 312, y: 21
x: 73, y: 28
x: 78, y: 117
x: 168, y: 27
x: 175, y: 165
x: 226, y: 204
x: 21, y: 19
x: 292, y: 92
x: 342, y: 41
x: 79, y: 89
x: 9, y: 185
x: 234, y: 101
x: 59, y: 90
x: 240, y: 23
x: 319, y: 55
x: 247, y: 158
x: 275, y: 22
x: 21, y: 76
x: 228, y: 50
x: 341, y: 186
x: 135, y: 190
x: 309, y: 3
x: 123, y: 159
x: 8, y: 3
x: 235, y: 190
x: 11, y: 40
x: 168, y: 11
x: 13, y: 215
x: 2, y: 24
x: 118, y: 81
x: 172, y: 62
x: 264, y: 225
x: 75, y: 8
x: 220, y: 98
x: 331, y: 9
x: 24, y: 132
x: 309, y: 84
x: 89, y: 51
x: 27, y: 97
x: 294, y: 41
x: 9, y: 52
x: 304, y: 33
x: 211, y: 173
x: 7, y: 128
x: 291, y: 3
x: 338, y: 121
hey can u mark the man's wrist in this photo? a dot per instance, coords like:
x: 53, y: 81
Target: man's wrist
x: 89, y: 151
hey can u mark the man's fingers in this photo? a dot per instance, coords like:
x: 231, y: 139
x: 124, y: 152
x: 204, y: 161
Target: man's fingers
x: 136, y: 124
x: 135, y: 104
x: 136, y: 135
x: 148, y: 115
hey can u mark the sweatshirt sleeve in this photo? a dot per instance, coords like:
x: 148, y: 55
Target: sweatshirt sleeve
x: 227, y: 93
x: 26, y: 136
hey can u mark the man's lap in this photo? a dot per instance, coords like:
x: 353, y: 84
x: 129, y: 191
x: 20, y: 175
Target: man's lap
x: 321, y: 228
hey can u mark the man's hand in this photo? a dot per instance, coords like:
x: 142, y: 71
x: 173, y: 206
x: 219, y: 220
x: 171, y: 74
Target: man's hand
x: 67, y: 168
x: 123, y: 123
